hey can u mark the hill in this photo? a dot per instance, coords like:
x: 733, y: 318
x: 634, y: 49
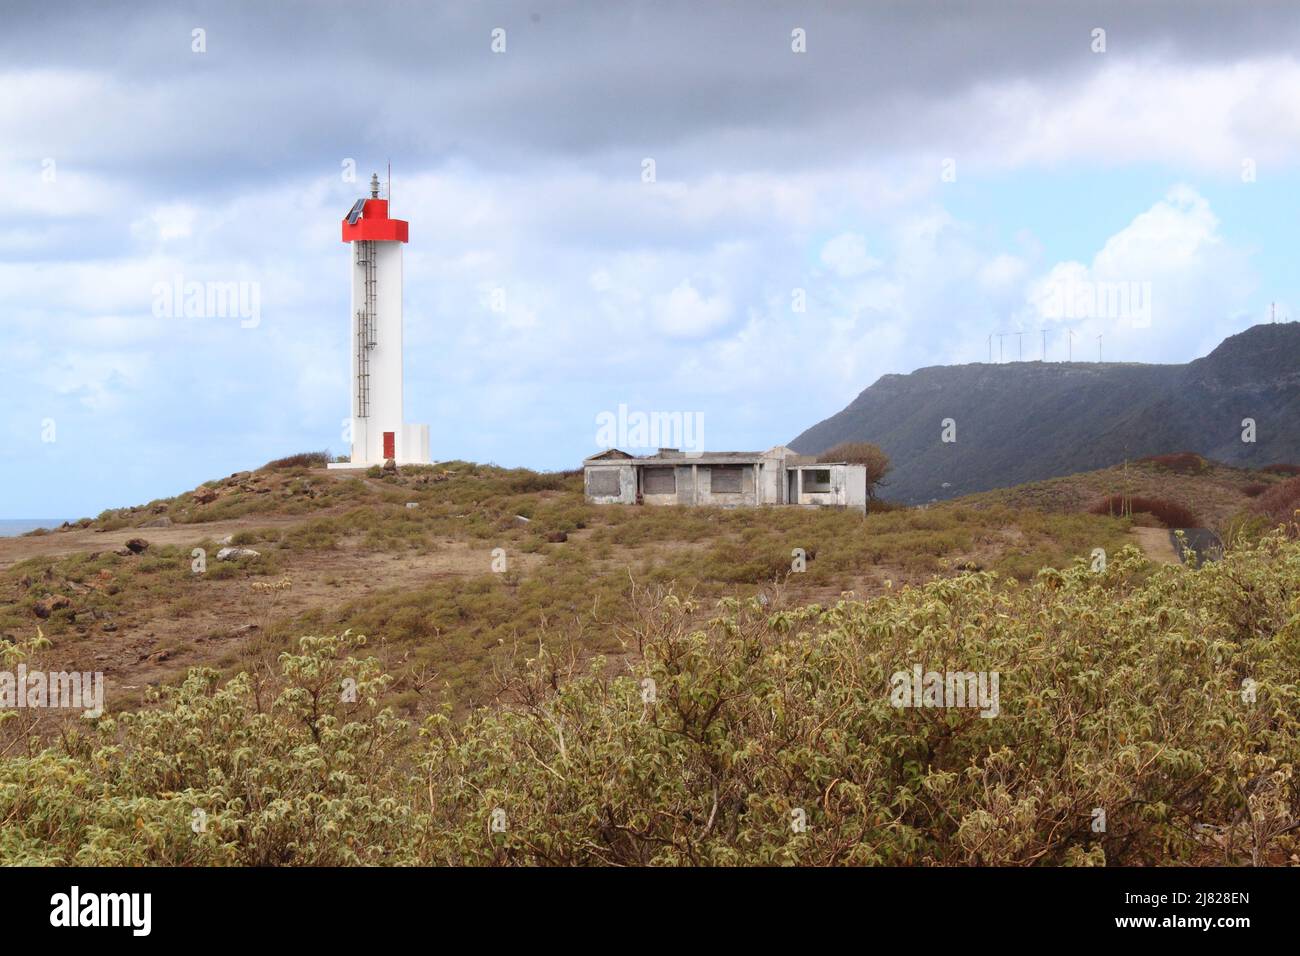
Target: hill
x: 1026, y: 421
x: 519, y: 685
x: 411, y: 560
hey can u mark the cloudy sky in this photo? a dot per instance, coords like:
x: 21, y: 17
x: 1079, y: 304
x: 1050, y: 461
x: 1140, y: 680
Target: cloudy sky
x: 921, y: 176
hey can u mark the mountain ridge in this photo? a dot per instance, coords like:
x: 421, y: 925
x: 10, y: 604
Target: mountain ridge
x: 1028, y: 421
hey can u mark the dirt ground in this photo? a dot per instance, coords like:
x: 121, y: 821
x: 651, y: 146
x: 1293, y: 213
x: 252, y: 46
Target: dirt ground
x: 1155, y: 544
x: 58, y: 543
x: 148, y: 647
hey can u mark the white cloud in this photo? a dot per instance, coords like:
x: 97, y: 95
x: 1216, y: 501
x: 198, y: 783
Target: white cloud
x: 686, y: 313
x: 1003, y: 271
x: 1165, y: 285
x: 97, y: 379
x: 1145, y: 109
x: 165, y: 223
x: 846, y: 255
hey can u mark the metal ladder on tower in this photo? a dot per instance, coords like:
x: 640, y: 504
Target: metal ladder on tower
x: 366, y: 322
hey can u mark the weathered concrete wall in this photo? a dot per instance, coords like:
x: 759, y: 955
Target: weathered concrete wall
x: 626, y: 478
x: 695, y: 487
x: 772, y: 480
x: 848, y: 488
x: 681, y: 496
x: 746, y: 496
x: 763, y: 483
x: 855, y: 486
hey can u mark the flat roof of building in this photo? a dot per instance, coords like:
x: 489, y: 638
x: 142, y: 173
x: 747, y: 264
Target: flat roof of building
x: 672, y: 456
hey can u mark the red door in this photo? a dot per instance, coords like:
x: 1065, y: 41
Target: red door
x: 390, y: 443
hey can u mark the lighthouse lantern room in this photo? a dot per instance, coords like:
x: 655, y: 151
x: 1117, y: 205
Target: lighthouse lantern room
x: 379, y: 433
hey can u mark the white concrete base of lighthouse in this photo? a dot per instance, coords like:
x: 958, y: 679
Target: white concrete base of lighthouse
x: 410, y: 446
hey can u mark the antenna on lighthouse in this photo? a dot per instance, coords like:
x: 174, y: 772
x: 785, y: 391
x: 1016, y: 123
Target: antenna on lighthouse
x: 389, y: 194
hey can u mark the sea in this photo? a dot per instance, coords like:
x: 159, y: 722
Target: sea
x: 10, y: 527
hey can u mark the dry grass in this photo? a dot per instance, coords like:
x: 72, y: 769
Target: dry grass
x: 306, y: 459
x: 420, y: 581
x: 1217, y: 495
x: 1179, y: 463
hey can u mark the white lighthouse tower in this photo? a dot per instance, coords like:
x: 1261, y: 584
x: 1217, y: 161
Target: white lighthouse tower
x: 379, y: 433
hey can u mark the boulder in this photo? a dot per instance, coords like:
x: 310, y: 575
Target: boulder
x: 231, y: 554
x: 556, y: 537
x: 163, y: 522
x: 137, y: 546
x: 47, y: 606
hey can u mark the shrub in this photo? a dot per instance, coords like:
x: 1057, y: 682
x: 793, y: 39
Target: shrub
x: 766, y: 713
x: 1169, y: 513
x: 1120, y: 689
x: 1254, y: 489
x: 306, y: 459
x: 1280, y: 503
x: 1180, y: 463
x: 865, y: 453
x: 1282, y: 469
x: 301, y: 779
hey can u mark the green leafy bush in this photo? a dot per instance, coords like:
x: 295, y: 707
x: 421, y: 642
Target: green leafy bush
x: 1163, y: 698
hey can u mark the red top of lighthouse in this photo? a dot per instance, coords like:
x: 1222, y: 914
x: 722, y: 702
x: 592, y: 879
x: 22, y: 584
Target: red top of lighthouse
x: 368, y: 219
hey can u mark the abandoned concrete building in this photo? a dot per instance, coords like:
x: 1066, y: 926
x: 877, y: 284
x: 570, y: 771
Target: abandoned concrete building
x: 726, y: 479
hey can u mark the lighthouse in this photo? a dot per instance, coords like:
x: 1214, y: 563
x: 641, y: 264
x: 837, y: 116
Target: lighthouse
x: 379, y: 433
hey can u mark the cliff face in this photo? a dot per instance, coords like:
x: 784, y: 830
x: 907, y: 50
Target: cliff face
x: 1026, y: 421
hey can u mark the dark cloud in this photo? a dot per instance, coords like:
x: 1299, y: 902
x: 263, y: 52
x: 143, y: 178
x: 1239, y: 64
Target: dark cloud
x: 288, y: 88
